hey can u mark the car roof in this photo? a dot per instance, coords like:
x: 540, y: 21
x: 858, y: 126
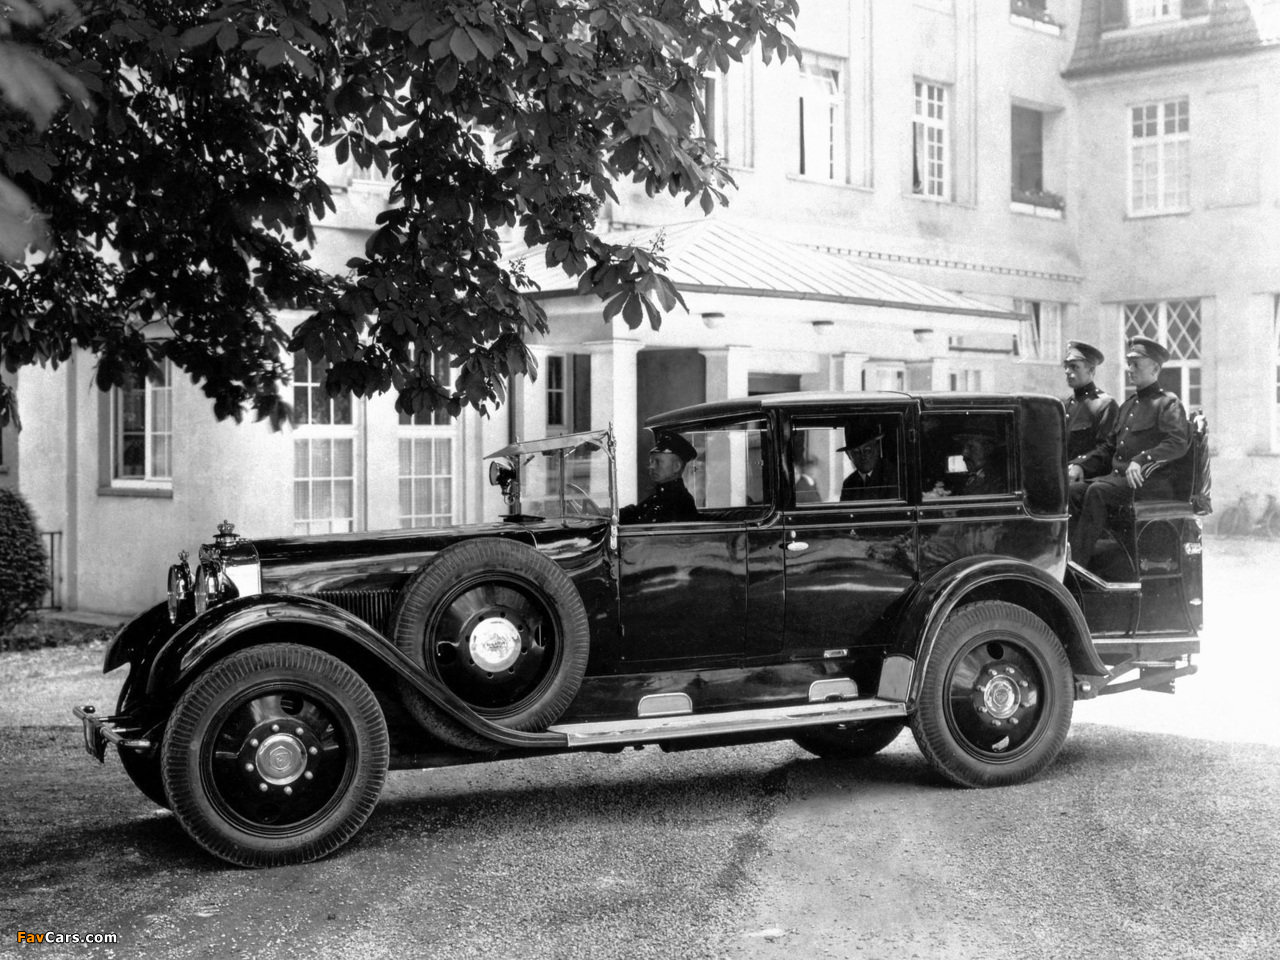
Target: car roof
x: 836, y: 401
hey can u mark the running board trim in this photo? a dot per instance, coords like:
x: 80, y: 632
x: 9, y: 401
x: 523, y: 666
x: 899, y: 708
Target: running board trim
x: 656, y: 729
x: 1108, y: 585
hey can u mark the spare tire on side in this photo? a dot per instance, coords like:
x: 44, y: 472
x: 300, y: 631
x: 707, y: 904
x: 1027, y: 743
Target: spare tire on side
x: 503, y: 628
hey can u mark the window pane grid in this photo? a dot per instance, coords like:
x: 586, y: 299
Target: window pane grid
x: 1160, y: 156
x: 142, y: 429
x: 821, y: 114
x: 323, y: 485
x: 929, y: 139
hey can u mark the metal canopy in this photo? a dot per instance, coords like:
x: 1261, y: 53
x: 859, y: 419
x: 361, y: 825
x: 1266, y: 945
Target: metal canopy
x: 718, y: 257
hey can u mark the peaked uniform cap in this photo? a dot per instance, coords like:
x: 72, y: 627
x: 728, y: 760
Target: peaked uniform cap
x: 674, y: 443
x: 1079, y: 350
x: 1146, y: 347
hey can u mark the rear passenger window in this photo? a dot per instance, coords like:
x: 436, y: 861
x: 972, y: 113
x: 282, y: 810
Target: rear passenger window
x: 966, y: 454
x: 847, y: 459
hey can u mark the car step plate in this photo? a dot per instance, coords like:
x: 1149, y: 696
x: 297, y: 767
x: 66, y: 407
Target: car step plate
x: 657, y: 729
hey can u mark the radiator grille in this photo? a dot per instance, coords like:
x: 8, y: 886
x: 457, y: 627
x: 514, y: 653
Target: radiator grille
x: 374, y: 607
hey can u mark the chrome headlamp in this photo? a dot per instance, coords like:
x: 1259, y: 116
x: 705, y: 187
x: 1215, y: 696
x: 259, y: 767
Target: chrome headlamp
x: 228, y: 568
x: 180, y: 589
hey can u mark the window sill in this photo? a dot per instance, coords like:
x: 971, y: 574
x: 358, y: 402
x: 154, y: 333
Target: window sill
x: 153, y: 492
x: 927, y: 198
x: 1150, y: 214
x: 1031, y: 210
x: 1039, y: 26
x: 1153, y: 26
x: 836, y: 184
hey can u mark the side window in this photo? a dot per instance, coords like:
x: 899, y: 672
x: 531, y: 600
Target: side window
x: 966, y: 454
x: 729, y: 473
x: 844, y: 459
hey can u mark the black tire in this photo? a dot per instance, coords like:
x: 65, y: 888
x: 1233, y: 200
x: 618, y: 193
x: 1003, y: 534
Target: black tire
x: 850, y: 741
x: 1231, y: 523
x: 142, y: 768
x: 526, y: 604
x: 275, y: 755
x: 996, y: 700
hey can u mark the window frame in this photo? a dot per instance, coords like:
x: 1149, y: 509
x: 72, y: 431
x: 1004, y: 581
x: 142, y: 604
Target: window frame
x: 153, y: 394
x: 814, y: 69
x: 1012, y: 466
x: 434, y: 427
x: 1166, y: 145
x: 1190, y: 369
x: 331, y: 429
x: 930, y: 131
x: 838, y: 466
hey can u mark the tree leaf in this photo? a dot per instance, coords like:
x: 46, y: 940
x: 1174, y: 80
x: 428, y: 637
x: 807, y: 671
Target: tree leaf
x: 201, y: 34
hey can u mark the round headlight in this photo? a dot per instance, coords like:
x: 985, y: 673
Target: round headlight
x: 179, y: 589
x: 206, y: 589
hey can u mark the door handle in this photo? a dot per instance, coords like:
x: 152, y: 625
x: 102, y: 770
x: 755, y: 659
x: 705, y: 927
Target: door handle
x: 795, y: 546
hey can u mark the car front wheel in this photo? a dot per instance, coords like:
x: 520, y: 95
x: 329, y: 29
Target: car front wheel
x: 275, y: 755
x: 996, y: 700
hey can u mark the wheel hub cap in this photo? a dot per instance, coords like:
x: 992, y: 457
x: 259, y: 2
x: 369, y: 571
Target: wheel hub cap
x: 1001, y: 698
x: 495, y: 644
x: 281, y: 758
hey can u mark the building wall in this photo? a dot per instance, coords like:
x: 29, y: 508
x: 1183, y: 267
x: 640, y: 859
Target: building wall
x: 1221, y: 250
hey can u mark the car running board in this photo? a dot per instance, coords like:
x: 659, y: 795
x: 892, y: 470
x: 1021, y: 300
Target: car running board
x: 658, y: 729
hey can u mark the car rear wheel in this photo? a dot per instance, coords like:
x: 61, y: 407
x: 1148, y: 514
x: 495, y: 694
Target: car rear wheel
x: 850, y: 741
x: 996, y: 700
x: 503, y: 628
x: 275, y: 755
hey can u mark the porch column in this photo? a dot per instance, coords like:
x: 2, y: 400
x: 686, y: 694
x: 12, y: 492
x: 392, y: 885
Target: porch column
x: 727, y: 370
x: 850, y: 372
x: 613, y: 401
x: 531, y: 398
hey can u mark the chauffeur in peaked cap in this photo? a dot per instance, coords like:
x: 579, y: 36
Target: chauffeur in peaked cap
x: 1151, y: 430
x: 1091, y: 413
x: 670, y: 500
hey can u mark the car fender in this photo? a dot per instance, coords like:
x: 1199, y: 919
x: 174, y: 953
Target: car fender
x: 222, y: 629
x: 969, y: 580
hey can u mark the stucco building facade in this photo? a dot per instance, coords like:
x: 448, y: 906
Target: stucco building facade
x: 937, y: 197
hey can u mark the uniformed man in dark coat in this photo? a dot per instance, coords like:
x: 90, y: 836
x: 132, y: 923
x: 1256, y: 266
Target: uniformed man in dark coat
x: 1151, y: 430
x: 670, y: 500
x: 874, y: 476
x: 1091, y: 413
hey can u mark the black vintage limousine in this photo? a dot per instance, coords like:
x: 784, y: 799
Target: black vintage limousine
x: 268, y: 697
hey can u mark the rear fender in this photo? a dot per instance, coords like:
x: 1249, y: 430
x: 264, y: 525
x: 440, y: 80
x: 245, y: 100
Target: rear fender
x: 239, y: 623
x: 968, y: 581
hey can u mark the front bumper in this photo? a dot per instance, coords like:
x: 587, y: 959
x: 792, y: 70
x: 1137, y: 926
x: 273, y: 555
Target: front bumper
x: 99, y: 731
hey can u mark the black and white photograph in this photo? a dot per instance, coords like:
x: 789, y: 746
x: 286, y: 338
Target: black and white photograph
x: 588, y: 479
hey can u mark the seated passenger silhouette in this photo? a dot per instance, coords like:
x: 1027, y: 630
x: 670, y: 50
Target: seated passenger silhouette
x: 670, y: 500
x: 874, y: 476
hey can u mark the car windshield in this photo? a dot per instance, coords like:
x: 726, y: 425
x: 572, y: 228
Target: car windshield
x: 563, y: 477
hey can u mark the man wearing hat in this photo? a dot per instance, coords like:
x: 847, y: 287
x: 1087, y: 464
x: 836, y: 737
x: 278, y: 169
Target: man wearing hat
x: 986, y: 473
x: 1091, y: 413
x: 1151, y: 430
x: 670, y: 500
x: 873, y: 477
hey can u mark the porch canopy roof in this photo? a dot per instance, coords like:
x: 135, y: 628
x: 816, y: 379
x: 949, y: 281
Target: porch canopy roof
x: 716, y: 257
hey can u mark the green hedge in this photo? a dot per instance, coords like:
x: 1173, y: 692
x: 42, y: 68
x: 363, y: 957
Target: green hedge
x: 24, y: 577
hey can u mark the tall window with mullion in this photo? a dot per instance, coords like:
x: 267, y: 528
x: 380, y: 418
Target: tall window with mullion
x: 324, y: 476
x: 142, y: 430
x: 428, y: 462
x: 1160, y: 157
x: 1178, y: 325
x: 821, y: 115
x: 930, y: 147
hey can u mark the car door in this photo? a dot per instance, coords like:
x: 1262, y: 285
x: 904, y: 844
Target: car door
x: 686, y: 587
x: 849, y: 542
